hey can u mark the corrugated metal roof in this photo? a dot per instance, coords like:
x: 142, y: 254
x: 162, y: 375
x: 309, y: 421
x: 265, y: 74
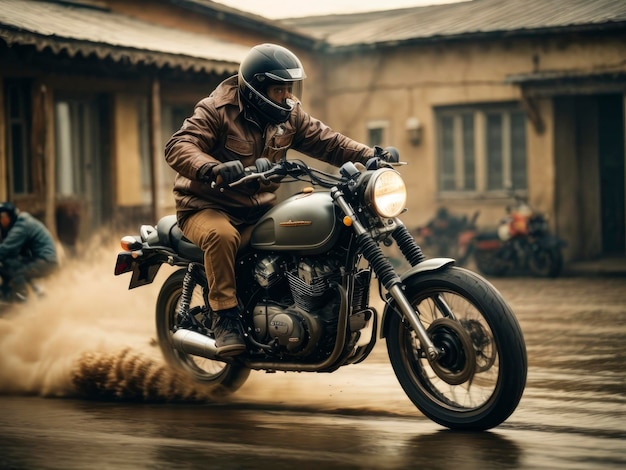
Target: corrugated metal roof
x: 84, y: 30
x: 468, y: 18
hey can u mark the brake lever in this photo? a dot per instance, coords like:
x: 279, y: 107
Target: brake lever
x: 264, y: 177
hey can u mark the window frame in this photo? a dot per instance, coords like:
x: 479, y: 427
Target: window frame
x: 455, y: 156
x: 21, y: 90
x: 377, y: 125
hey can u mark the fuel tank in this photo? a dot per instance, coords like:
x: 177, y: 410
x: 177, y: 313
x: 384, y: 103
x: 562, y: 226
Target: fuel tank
x: 304, y: 223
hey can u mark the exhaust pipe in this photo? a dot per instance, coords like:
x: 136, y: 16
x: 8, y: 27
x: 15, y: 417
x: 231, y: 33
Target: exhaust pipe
x: 190, y: 342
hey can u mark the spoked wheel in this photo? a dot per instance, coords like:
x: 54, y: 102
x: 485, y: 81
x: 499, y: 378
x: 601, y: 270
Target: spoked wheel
x: 225, y: 377
x: 480, y: 374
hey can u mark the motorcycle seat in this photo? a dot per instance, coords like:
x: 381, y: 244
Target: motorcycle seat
x: 172, y: 236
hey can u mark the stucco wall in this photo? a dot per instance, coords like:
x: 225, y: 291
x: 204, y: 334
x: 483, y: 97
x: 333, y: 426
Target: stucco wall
x: 126, y: 150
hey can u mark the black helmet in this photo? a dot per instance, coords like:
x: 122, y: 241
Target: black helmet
x: 264, y: 65
x: 9, y: 209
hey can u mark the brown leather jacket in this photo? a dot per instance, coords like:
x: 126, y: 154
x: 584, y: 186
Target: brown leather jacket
x: 220, y: 130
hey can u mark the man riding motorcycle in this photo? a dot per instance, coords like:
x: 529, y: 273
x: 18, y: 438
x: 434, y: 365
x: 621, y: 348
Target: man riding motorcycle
x: 249, y: 119
x: 27, y: 251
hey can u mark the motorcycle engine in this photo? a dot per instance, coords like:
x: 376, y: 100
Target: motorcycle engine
x: 296, y: 306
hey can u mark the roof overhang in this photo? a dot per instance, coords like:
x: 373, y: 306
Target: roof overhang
x: 120, y: 54
x: 545, y: 84
x: 570, y: 82
x: 92, y: 32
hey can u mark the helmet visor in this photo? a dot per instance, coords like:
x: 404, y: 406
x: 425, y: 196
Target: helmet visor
x: 280, y: 92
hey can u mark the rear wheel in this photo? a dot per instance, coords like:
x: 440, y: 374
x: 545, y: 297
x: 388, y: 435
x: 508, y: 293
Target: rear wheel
x: 225, y: 378
x: 480, y: 374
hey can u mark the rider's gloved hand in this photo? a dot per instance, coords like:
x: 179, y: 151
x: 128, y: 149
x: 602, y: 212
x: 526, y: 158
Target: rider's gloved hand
x: 228, y: 172
x: 205, y: 173
x: 262, y: 165
x: 388, y: 154
x: 222, y: 173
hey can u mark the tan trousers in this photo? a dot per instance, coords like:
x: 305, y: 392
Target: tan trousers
x: 214, y: 233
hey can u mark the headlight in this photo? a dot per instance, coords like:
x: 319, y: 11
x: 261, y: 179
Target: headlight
x: 386, y: 192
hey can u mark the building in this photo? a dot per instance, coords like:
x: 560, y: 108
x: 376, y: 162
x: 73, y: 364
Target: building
x: 483, y: 98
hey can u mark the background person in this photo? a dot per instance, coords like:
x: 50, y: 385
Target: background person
x: 27, y: 250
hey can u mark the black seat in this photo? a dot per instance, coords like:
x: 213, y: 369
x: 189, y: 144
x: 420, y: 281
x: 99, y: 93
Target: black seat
x: 170, y: 235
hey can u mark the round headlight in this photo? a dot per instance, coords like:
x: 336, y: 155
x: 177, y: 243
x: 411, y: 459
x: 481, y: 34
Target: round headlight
x: 386, y: 192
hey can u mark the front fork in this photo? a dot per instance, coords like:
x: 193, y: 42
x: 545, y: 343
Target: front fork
x: 385, y: 272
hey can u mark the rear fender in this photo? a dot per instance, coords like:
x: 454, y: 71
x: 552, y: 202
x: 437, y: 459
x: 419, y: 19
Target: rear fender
x: 144, y: 268
x: 428, y: 266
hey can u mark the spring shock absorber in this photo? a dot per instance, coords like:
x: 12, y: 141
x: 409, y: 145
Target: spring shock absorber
x: 412, y: 251
x: 189, y: 283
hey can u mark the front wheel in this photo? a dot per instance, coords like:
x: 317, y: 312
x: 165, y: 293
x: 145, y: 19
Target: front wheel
x: 479, y: 377
x: 546, y: 262
x: 222, y: 377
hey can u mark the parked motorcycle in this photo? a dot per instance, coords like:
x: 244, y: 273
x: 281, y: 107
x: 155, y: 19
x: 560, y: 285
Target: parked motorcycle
x: 304, y: 286
x: 9, y: 296
x: 521, y: 244
x: 447, y: 235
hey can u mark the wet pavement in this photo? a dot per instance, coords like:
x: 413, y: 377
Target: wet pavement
x: 572, y: 414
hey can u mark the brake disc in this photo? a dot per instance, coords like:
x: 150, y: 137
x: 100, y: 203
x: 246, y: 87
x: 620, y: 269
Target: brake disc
x: 456, y: 362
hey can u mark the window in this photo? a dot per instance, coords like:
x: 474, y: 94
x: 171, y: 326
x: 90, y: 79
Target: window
x: 18, y: 113
x: 376, y: 133
x: 481, y: 149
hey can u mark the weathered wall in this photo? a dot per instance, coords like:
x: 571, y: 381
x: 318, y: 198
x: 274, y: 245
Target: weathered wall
x: 126, y: 150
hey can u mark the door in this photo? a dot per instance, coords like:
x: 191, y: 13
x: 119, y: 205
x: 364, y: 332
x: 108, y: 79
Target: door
x: 611, y: 159
x: 83, y: 176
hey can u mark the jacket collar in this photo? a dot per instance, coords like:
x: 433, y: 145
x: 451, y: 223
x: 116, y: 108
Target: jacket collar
x: 227, y: 92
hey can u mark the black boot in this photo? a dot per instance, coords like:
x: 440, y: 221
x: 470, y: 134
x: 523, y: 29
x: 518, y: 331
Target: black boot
x: 228, y: 338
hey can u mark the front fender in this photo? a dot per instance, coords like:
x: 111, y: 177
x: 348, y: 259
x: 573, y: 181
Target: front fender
x: 427, y: 266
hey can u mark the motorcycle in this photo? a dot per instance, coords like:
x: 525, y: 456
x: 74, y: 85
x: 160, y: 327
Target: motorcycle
x: 447, y: 235
x: 304, y: 281
x: 522, y: 243
x: 9, y: 296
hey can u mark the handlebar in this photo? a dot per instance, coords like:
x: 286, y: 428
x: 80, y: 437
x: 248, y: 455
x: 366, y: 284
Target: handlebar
x: 297, y: 168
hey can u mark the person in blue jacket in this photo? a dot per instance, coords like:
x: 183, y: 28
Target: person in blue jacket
x: 27, y: 251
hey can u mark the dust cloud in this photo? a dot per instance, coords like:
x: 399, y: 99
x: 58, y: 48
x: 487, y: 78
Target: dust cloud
x: 88, y: 336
